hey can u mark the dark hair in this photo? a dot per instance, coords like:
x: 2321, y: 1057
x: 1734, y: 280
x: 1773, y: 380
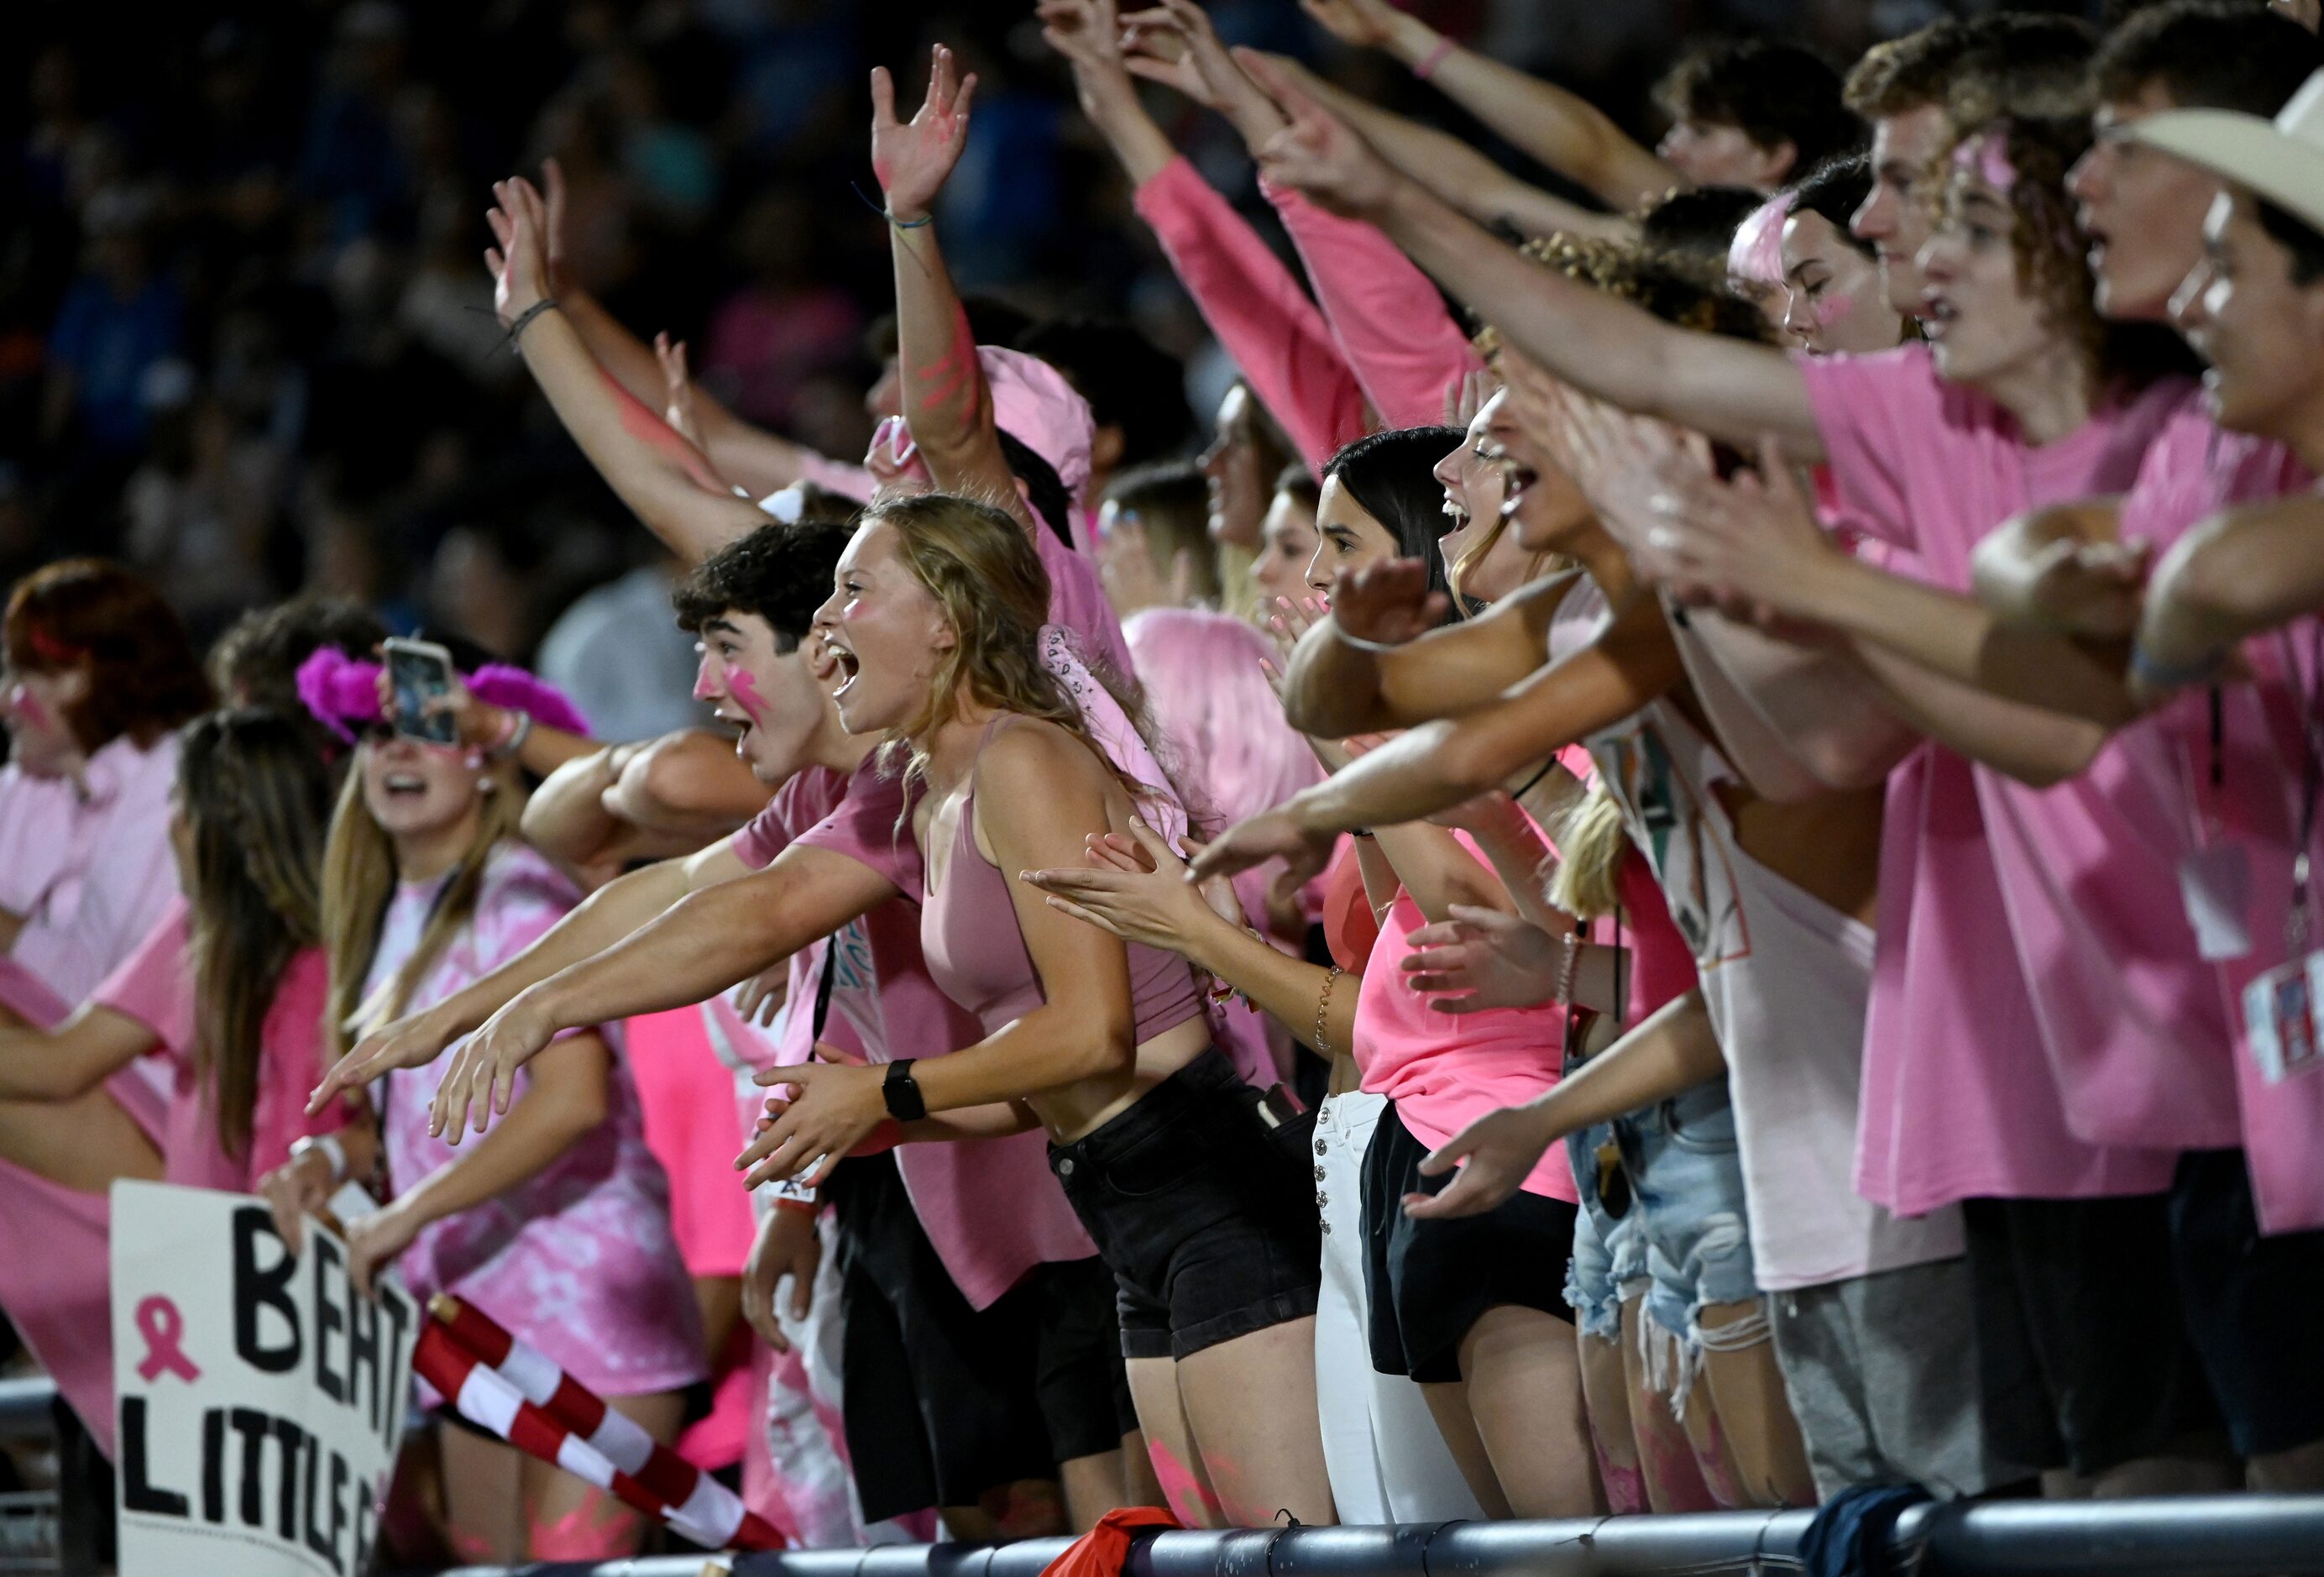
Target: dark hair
x: 2207, y: 55
x: 1834, y: 190
x: 1172, y: 502
x: 1771, y: 93
x: 2297, y: 237
x: 257, y: 797
x: 780, y: 572
x: 1699, y: 223
x: 991, y: 321
x: 255, y: 663
x: 1299, y: 481
x: 145, y: 678
x: 1129, y: 382
x: 1393, y: 476
x: 1043, y: 490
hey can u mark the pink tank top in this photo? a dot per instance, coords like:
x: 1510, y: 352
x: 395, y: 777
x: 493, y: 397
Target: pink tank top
x: 982, y: 965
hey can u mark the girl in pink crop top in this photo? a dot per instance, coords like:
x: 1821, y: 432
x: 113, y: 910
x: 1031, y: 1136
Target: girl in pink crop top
x: 982, y: 965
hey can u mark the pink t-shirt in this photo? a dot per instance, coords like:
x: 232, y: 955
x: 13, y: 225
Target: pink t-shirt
x: 90, y: 874
x: 155, y: 986
x: 1960, y: 1098
x: 1445, y: 1070
x: 990, y: 1207
x: 1077, y: 601
x: 2132, y: 1016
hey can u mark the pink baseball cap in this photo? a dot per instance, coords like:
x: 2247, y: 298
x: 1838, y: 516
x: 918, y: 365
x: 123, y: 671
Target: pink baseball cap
x: 1033, y: 404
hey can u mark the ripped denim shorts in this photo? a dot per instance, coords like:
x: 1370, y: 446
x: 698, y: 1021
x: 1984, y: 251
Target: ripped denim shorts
x: 1610, y: 1258
x: 1687, y: 1194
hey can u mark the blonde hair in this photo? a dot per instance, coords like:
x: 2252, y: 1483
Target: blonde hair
x: 358, y: 881
x: 1591, y: 844
x: 987, y: 577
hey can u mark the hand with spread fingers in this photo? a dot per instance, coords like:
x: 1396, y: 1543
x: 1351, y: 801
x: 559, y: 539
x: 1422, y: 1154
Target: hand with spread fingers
x: 1747, y: 546
x: 413, y: 1041
x: 1495, y: 1155
x: 1138, y: 892
x: 482, y: 1080
x: 519, y: 262
x: 1279, y: 834
x: 834, y: 1107
x: 1316, y: 152
x: 1174, y: 44
x: 912, y: 159
x: 1480, y: 959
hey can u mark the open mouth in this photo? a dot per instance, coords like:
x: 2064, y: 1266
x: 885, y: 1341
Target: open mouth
x: 404, y: 783
x: 1520, y: 481
x: 844, y: 664
x: 1456, y: 516
x: 1937, y: 314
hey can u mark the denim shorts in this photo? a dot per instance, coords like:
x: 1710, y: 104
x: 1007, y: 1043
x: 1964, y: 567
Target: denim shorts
x: 1204, y: 1213
x: 1686, y: 1198
x: 1593, y: 1289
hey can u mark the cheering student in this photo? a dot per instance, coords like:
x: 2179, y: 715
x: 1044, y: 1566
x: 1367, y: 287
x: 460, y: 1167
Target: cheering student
x: 557, y: 1224
x: 2010, y: 405
x: 229, y: 987
x: 2139, y: 1036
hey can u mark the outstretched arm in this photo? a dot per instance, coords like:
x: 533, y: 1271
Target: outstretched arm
x: 1458, y: 173
x: 1562, y: 130
x: 666, y: 481
x: 1248, y: 299
x: 2235, y: 575
x: 1597, y: 343
x: 1440, y: 764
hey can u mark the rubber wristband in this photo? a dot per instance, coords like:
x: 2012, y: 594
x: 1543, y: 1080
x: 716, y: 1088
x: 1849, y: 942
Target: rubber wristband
x: 1433, y: 59
x: 333, y: 1152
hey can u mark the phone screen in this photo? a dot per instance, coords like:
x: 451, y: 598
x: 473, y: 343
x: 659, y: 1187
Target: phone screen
x: 419, y: 674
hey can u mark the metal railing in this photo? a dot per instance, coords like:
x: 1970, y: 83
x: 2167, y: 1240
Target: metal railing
x: 2212, y: 1535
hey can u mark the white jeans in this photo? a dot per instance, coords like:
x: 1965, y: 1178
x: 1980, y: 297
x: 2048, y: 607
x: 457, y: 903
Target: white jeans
x: 1382, y: 1447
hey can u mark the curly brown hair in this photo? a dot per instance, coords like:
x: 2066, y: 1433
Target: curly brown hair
x: 144, y: 676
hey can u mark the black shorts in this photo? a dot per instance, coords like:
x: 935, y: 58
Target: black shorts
x: 1205, y: 1214
x: 1428, y: 1281
x: 943, y: 1401
x: 2251, y: 1304
x: 2083, y: 1358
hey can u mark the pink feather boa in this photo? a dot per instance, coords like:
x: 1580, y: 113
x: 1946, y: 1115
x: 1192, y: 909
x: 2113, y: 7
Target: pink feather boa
x: 341, y: 690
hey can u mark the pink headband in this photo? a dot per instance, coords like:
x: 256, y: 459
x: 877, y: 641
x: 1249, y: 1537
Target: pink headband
x: 1033, y: 404
x: 340, y: 690
x: 1987, y: 154
x: 1756, y: 253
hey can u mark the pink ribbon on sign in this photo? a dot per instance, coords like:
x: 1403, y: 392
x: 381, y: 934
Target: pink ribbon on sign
x: 159, y: 1322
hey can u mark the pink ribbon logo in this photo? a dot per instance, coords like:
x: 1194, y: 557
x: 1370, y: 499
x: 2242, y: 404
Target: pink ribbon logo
x: 159, y: 1322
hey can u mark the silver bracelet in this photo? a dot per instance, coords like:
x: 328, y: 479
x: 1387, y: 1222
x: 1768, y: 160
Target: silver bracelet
x: 517, y: 736
x: 332, y: 1150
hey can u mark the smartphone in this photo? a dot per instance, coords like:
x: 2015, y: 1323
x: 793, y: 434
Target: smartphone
x: 420, y: 671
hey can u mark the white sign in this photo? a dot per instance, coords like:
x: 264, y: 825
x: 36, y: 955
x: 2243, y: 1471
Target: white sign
x: 261, y: 1397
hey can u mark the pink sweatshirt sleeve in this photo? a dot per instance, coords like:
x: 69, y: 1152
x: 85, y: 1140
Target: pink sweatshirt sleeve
x: 1258, y: 311
x: 1390, y: 322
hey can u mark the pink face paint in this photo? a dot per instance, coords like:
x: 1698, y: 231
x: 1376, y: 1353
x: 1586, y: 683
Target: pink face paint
x: 745, y: 691
x: 955, y: 371
x: 1720, y: 1475
x: 1988, y: 155
x: 1831, y: 307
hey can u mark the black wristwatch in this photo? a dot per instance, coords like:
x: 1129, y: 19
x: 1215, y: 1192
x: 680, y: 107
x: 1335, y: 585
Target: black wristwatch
x: 902, y: 1095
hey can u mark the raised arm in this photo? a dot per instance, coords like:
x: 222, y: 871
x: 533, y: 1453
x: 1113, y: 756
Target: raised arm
x: 947, y: 404
x: 1459, y: 173
x: 1565, y: 131
x: 1250, y: 299
x: 664, y: 480
x: 1597, y: 343
x: 1386, y: 317
x: 757, y: 460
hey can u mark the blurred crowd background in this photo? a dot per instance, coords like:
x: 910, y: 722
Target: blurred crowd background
x: 246, y: 337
